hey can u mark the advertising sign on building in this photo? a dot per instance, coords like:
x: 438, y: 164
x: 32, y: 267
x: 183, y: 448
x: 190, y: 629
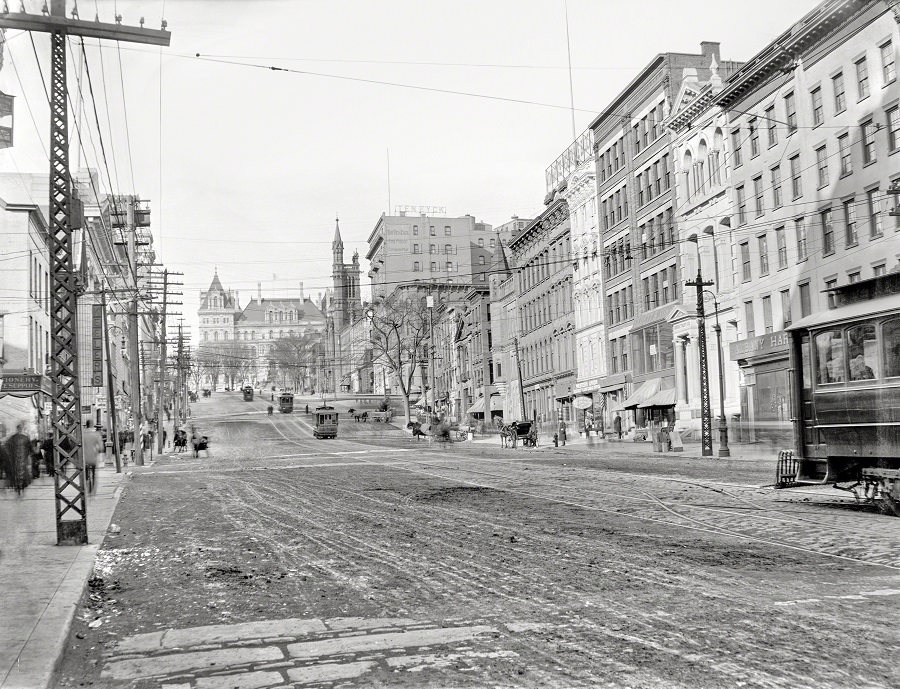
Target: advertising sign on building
x: 97, y: 345
x: 6, y: 120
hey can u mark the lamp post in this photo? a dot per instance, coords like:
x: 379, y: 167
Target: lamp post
x: 723, y: 424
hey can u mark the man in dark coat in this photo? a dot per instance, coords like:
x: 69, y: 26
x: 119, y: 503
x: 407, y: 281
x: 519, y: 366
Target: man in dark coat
x: 18, y: 447
x: 47, y: 452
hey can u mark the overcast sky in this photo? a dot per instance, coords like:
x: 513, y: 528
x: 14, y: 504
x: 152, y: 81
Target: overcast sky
x: 246, y: 167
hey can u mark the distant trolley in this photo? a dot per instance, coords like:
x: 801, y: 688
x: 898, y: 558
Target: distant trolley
x: 326, y: 422
x: 846, y: 391
x: 286, y: 402
x: 248, y: 393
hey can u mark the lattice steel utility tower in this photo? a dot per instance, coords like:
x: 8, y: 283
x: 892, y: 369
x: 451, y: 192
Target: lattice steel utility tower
x: 66, y: 415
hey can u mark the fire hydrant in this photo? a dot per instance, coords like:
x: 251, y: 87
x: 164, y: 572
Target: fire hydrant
x: 556, y: 440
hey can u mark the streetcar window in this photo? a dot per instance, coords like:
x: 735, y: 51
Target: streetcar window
x: 890, y: 337
x: 806, y: 364
x: 830, y: 357
x: 862, y: 352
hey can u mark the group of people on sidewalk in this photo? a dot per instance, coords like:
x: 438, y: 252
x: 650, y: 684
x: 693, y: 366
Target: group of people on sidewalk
x: 22, y: 457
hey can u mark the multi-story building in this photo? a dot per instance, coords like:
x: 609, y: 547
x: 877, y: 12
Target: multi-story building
x: 705, y: 238
x: 252, y: 333
x: 575, y: 173
x: 474, y: 345
x: 814, y: 123
x: 422, y: 248
x: 641, y: 276
x: 542, y: 255
x: 504, y: 335
x: 24, y: 298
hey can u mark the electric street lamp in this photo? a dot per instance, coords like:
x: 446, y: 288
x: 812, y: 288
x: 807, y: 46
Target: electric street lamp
x: 723, y: 424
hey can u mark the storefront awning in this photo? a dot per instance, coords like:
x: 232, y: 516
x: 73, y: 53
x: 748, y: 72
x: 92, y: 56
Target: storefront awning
x: 657, y: 315
x: 645, y: 391
x: 496, y: 402
x: 663, y: 398
x: 872, y: 307
x: 477, y: 408
x: 614, y: 382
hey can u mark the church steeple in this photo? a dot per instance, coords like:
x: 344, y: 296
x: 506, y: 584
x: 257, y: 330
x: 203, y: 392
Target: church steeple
x: 338, y: 243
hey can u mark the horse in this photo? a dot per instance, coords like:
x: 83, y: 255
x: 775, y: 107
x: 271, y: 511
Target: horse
x: 508, y: 433
x: 416, y: 429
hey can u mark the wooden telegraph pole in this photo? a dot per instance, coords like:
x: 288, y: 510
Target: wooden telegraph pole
x: 71, y: 507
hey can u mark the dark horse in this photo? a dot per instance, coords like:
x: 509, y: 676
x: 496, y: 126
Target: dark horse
x: 416, y: 428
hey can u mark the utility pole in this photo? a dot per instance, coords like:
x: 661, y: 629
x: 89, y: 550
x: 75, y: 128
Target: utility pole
x: 430, y: 302
x: 110, y: 388
x: 133, y: 334
x: 519, y: 370
x: 160, y: 397
x: 705, y: 410
x: 181, y: 388
x: 66, y: 415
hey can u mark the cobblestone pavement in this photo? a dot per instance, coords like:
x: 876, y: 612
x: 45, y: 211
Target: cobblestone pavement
x: 377, y: 562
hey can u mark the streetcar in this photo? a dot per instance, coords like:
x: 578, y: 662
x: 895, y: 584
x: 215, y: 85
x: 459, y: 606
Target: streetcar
x: 286, y: 402
x: 326, y: 422
x: 248, y: 393
x: 846, y: 391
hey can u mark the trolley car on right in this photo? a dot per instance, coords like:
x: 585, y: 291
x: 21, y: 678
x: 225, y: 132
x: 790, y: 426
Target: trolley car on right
x: 846, y: 391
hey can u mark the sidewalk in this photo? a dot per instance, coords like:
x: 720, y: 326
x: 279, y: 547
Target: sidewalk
x: 738, y: 451
x: 42, y: 582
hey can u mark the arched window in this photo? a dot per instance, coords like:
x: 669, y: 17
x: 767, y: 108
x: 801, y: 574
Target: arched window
x: 701, y: 172
x: 206, y: 336
x: 687, y: 165
x: 216, y: 336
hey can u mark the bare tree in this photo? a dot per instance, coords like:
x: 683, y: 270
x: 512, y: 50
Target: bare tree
x: 210, y: 361
x: 296, y: 359
x: 399, y: 336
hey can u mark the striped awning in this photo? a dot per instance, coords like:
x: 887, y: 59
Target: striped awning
x: 645, y: 391
x: 663, y: 398
x: 477, y: 408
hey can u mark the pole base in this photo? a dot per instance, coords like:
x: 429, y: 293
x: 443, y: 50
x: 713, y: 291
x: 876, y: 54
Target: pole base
x: 724, y: 452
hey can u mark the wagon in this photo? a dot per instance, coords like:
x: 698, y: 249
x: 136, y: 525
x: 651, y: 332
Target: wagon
x: 526, y: 431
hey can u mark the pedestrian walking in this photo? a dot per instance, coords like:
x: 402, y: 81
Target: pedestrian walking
x: 47, y: 452
x: 617, y: 425
x: 91, y: 449
x: 5, y: 469
x: 18, y: 447
x: 165, y: 437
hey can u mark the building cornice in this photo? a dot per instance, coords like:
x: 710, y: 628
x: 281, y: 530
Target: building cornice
x: 781, y: 54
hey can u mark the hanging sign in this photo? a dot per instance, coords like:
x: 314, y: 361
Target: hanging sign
x: 97, y: 345
x: 6, y: 120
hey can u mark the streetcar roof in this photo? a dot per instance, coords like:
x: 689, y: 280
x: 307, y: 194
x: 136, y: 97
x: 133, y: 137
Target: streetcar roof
x: 850, y: 312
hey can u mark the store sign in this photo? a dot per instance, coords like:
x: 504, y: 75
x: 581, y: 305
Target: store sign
x: 587, y: 385
x: 12, y: 383
x: 97, y: 345
x: 771, y: 343
x: 6, y: 120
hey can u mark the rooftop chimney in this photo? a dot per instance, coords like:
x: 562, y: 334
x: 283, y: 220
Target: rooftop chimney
x: 301, y: 290
x: 259, y: 290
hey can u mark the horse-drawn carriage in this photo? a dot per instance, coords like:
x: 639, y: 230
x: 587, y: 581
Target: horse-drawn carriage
x: 524, y: 431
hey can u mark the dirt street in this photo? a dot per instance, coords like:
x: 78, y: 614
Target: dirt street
x: 376, y: 561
